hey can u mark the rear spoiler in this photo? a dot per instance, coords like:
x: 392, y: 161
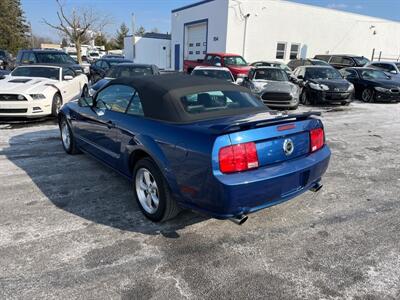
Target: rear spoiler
x: 267, y: 121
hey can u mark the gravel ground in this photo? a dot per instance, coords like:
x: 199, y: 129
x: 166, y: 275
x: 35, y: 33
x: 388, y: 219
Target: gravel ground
x: 69, y: 227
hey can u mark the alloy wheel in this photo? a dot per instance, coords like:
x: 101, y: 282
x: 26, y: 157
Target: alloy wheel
x: 147, y: 190
x: 65, y: 135
x: 367, y: 95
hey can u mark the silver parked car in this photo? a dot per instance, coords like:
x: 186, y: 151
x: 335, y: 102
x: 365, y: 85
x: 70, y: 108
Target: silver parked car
x: 273, y: 87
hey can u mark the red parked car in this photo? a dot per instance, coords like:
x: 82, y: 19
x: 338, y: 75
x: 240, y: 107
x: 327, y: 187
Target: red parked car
x: 235, y: 63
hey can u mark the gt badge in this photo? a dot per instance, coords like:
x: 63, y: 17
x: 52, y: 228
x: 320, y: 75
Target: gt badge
x: 288, y: 147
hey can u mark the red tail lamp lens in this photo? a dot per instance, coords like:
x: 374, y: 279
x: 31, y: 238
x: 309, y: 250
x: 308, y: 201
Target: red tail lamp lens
x: 237, y: 158
x: 317, y: 139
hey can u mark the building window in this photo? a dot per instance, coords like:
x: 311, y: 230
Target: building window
x: 197, y: 52
x: 190, y: 52
x: 190, y: 44
x: 294, y: 51
x: 280, y: 50
x: 198, y: 44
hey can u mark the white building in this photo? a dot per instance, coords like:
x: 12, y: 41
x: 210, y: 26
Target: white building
x: 152, y: 48
x: 277, y: 30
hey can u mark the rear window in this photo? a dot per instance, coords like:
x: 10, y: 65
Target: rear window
x: 221, y: 101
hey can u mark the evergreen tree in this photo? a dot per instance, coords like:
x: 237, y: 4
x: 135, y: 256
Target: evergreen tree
x: 14, y: 31
x: 141, y: 31
x: 122, y: 32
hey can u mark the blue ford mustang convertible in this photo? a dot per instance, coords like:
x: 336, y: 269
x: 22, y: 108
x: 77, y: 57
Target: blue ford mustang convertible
x: 197, y: 143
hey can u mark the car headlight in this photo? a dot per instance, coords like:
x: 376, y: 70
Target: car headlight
x: 382, y: 90
x: 86, y: 70
x: 295, y: 91
x: 37, y: 96
x: 319, y: 87
x: 92, y: 92
x: 256, y: 89
x: 350, y: 88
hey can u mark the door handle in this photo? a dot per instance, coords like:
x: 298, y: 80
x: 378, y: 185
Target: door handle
x: 110, y: 124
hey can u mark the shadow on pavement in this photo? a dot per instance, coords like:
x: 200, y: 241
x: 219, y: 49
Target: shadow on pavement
x: 84, y: 187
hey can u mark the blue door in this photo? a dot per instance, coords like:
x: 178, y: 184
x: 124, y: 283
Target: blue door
x: 177, y: 56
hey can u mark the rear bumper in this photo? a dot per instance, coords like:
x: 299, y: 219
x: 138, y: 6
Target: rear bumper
x: 247, y: 192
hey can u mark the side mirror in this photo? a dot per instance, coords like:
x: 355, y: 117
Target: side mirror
x: 85, y: 101
x: 218, y: 64
x: 68, y: 77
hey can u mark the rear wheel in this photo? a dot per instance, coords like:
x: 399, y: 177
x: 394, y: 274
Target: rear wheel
x: 67, y: 137
x: 152, y: 193
x: 56, y: 105
x: 367, y: 95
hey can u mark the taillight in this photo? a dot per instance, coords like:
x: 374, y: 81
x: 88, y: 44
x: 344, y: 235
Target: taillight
x: 237, y: 158
x: 317, y: 139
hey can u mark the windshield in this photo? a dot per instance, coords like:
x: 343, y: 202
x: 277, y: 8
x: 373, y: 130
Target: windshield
x: 218, y: 101
x: 234, y: 61
x: 94, y: 54
x: 219, y: 74
x: 361, y: 61
x: 129, y: 71
x: 271, y: 74
x: 322, y: 73
x: 116, y: 62
x: 72, y: 53
x: 373, y: 75
x: 45, y: 72
x: 54, y: 58
x: 398, y: 65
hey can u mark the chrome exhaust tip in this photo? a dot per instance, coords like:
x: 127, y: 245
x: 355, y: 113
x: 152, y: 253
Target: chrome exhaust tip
x: 239, y: 220
x: 316, y: 187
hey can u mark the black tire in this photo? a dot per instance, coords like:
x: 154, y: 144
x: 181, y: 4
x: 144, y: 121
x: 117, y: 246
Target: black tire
x: 371, y: 95
x: 70, y: 147
x: 304, y: 98
x: 56, y: 104
x: 85, y: 91
x: 167, y: 207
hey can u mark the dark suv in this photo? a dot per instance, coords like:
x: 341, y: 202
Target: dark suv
x: 339, y: 61
x: 6, y: 60
x: 47, y: 57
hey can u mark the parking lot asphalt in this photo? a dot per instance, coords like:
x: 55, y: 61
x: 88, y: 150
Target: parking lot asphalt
x: 69, y: 227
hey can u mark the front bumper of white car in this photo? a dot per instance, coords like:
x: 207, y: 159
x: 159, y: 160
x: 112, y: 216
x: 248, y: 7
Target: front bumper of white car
x: 21, y: 105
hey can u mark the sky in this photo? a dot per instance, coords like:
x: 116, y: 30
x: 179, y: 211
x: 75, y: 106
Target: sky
x: 156, y: 13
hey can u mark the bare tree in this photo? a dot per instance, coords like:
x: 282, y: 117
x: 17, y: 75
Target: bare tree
x: 78, y: 25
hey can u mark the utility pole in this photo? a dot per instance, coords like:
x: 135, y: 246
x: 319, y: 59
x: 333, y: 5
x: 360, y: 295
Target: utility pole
x: 133, y: 37
x: 246, y: 17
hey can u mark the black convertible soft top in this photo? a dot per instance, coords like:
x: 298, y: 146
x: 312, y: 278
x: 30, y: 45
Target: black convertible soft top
x: 161, y: 95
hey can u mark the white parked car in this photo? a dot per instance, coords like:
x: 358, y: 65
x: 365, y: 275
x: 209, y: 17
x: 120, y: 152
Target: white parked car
x: 39, y: 90
x: 214, y: 72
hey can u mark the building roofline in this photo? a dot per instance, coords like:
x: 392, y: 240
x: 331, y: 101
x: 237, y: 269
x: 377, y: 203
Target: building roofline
x: 190, y: 5
x: 373, y: 19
